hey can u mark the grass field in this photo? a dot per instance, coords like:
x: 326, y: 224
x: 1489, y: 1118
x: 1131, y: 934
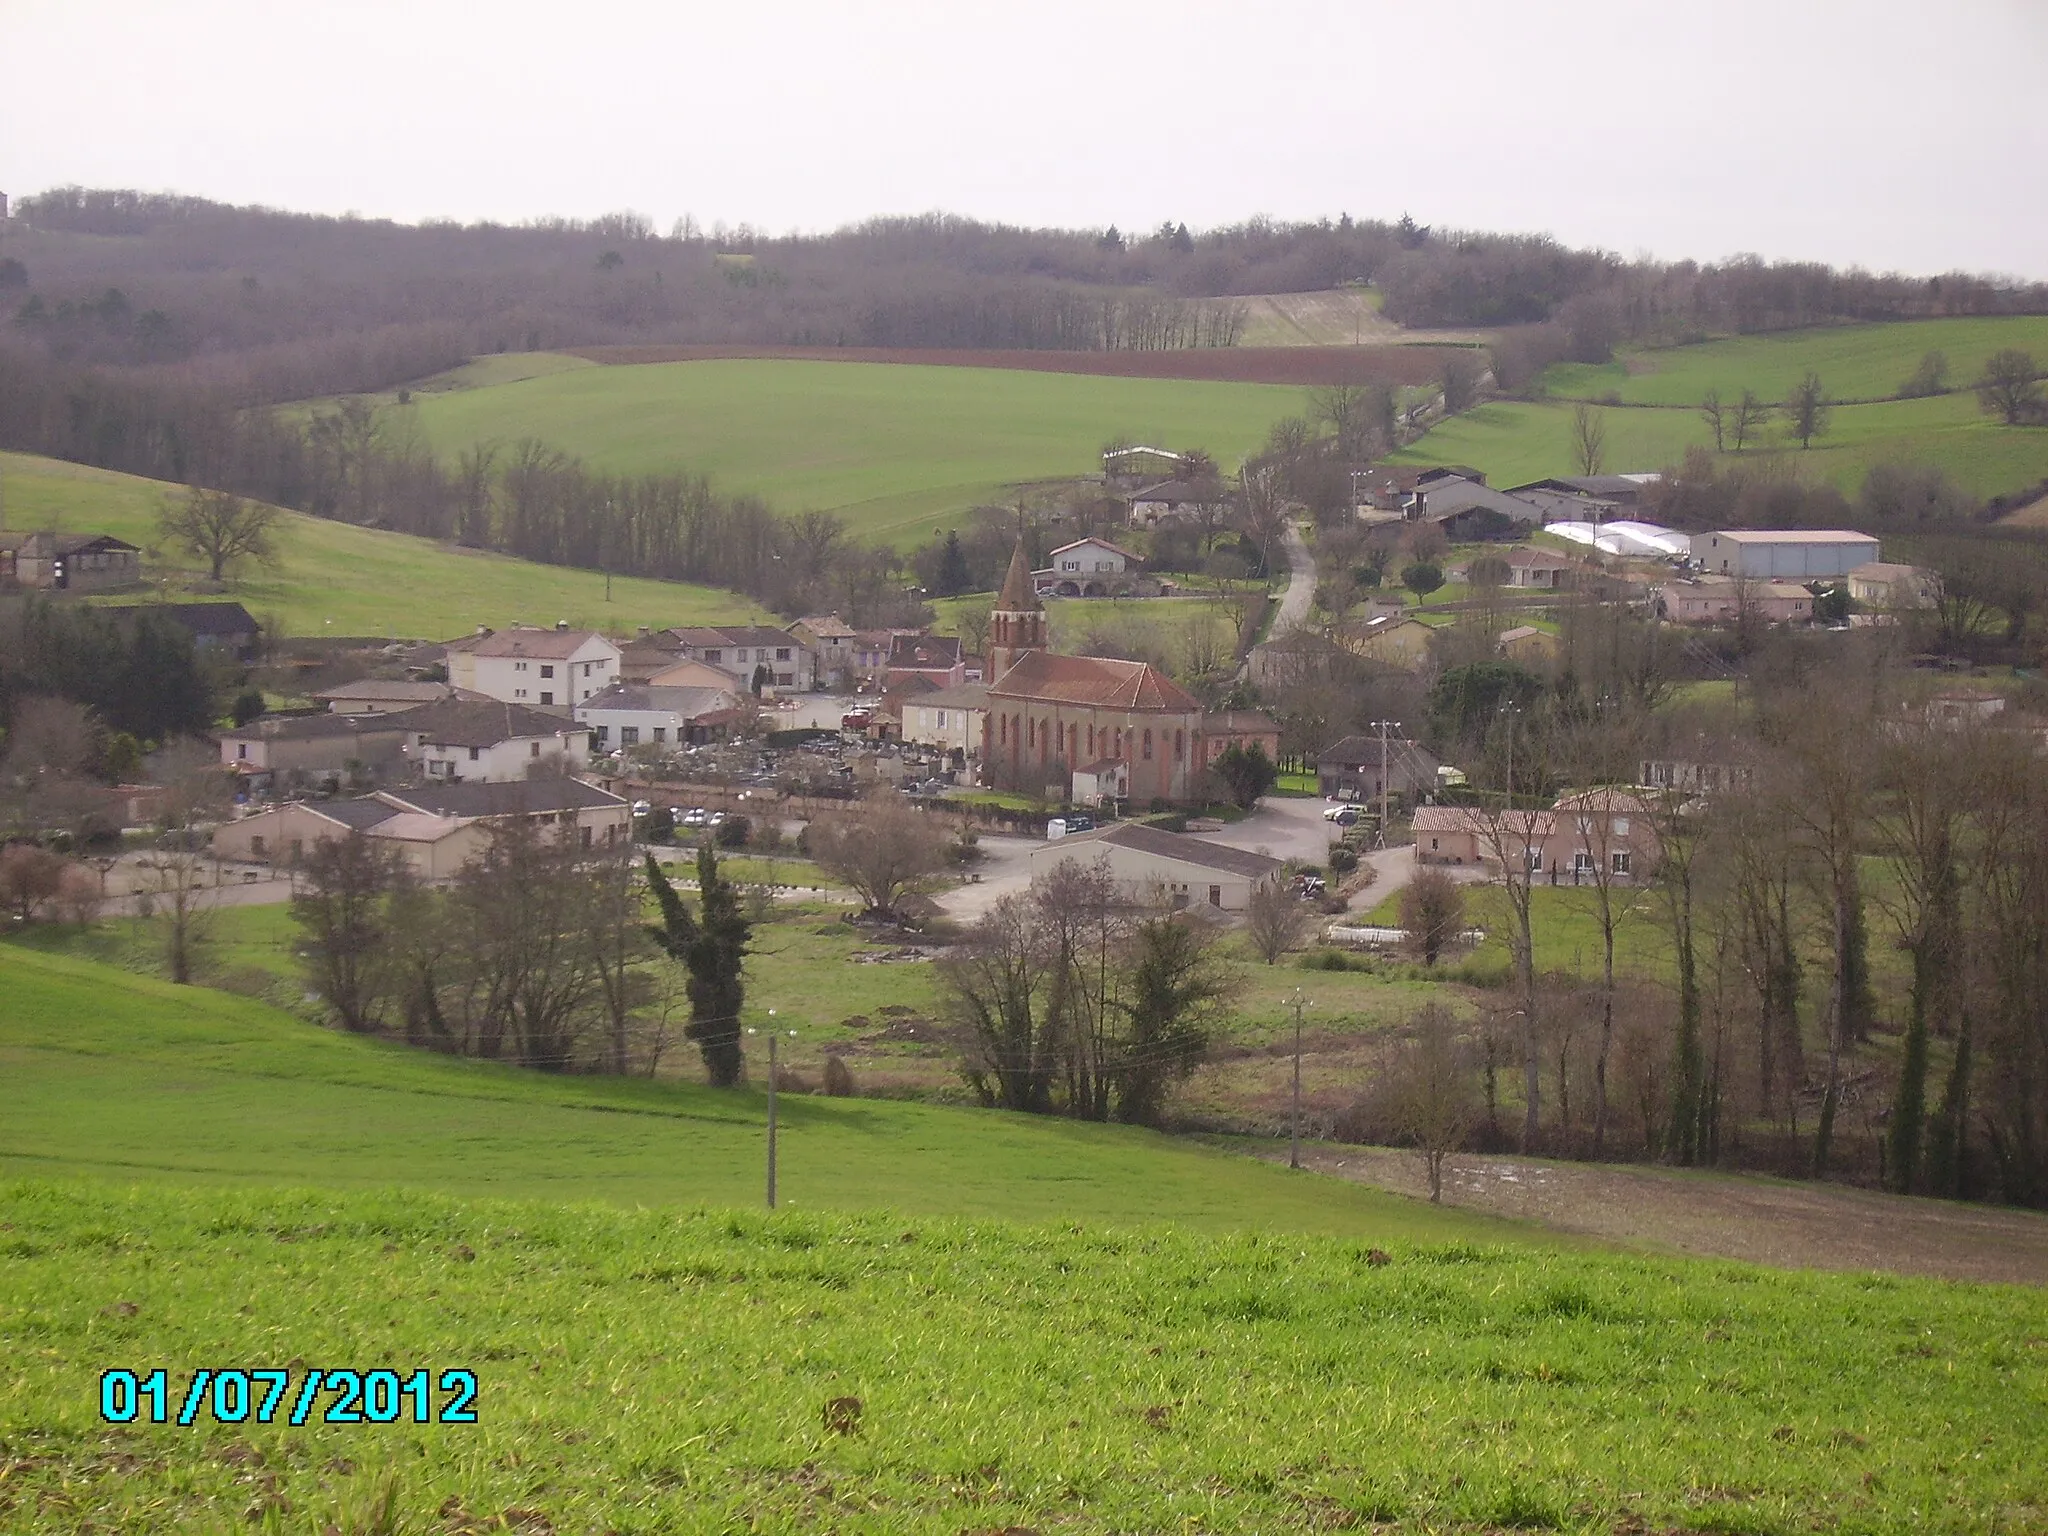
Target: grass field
x: 899, y: 450
x: 1031, y: 1347
x: 1518, y: 441
x: 336, y: 579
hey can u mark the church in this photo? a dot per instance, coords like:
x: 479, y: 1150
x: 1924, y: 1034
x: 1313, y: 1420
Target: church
x: 1054, y: 719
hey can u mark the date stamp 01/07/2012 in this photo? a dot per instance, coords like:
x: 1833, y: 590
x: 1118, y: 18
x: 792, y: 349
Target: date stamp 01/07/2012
x: 281, y: 1395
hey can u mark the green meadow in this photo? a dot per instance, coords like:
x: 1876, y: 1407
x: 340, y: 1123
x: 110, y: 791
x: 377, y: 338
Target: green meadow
x: 336, y: 579
x: 961, y: 1322
x: 898, y: 450
x: 1660, y: 390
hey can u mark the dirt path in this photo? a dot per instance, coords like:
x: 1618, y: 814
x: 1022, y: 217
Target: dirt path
x: 1760, y: 1221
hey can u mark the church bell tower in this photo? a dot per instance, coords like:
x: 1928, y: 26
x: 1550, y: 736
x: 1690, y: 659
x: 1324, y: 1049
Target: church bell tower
x: 1016, y: 625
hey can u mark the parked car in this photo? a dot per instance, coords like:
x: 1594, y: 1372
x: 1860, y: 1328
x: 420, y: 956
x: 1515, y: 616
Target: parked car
x: 696, y: 816
x: 643, y: 808
x: 1342, y: 815
x: 1080, y: 821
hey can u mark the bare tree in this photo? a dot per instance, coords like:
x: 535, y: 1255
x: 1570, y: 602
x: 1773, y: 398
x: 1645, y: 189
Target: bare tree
x: 30, y: 877
x: 1461, y: 376
x: 1714, y: 414
x: 993, y: 984
x: 2009, y: 387
x: 1431, y: 1097
x: 1589, y: 438
x: 1172, y: 987
x: 1807, y: 411
x: 1604, y: 822
x: 972, y: 618
x: 180, y: 885
x: 1511, y: 835
x: 220, y: 528
x: 884, y: 851
x: 345, y: 914
x: 1432, y: 914
x: 1747, y: 419
x: 1275, y: 919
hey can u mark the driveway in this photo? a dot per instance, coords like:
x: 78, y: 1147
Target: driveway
x: 1004, y: 868
x: 1301, y: 583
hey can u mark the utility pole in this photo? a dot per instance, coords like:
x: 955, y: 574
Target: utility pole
x: 774, y: 1040
x: 1294, y: 1134
x: 1383, y: 726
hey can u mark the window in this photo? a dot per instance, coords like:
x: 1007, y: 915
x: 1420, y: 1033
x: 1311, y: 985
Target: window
x: 1582, y: 863
x: 1215, y: 895
x: 547, y: 671
x: 782, y: 653
x: 546, y: 697
x: 1148, y: 746
x: 629, y: 735
x: 536, y: 750
x: 1434, y: 845
x: 586, y: 837
x: 785, y: 679
x: 256, y: 846
x: 1621, y: 826
x: 242, y: 750
x: 604, y: 735
x: 518, y: 666
x: 475, y: 753
x: 1621, y: 861
x: 1180, y: 745
x: 1031, y: 733
x: 942, y: 720
x: 717, y: 656
x: 1534, y: 856
x: 518, y: 693
x: 661, y: 733
x: 586, y: 669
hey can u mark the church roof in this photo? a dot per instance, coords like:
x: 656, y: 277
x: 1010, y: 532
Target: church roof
x: 1018, y: 595
x: 1093, y: 680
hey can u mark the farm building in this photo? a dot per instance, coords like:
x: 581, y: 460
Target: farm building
x: 68, y: 562
x: 1350, y: 769
x: 1163, y: 869
x: 1783, y: 554
x: 225, y: 628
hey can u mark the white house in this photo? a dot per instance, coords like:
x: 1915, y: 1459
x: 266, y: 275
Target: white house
x: 949, y: 719
x: 1088, y: 567
x: 1783, y: 554
x: 646, y: 714
x: 488, y: 742
x: 1164, y: 869
x: 541, y: 668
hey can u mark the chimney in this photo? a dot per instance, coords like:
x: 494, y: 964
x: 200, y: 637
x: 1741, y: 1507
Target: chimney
x: 646, y: 630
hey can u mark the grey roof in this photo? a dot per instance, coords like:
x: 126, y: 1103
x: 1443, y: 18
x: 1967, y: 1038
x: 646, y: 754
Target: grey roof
x: 685, y: 701
x: 44, y: 542
x: 1364, y: 752
x: 359, y: 814
x: 1624, y: 487
x: 1447, y: 498
x: 479, y: 723
x: 924, y: 653
x: 200, y: 618
x: 314, y: 727
x: 1178, y: 845
x: 965, y: 696
x: 1199, y: 491
x: 524, y: 797
x: 699, y: 636
x: 389, y: 690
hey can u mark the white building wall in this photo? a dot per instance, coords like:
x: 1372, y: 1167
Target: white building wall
x: 507, y: 762
x: 1152, y: 878
x: 540, y: 683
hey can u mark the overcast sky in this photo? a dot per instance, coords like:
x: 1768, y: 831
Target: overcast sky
x: 1874, y: 132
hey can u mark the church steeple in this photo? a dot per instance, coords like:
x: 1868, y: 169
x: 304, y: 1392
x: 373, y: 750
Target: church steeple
x: 1016, y: 625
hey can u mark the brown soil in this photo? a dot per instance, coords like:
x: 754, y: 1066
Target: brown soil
x: 1760, y: 1221
x: 1234, y: 365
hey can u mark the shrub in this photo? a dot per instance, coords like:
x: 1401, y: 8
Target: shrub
x: 1343, y: 860
x: 735, y: 832
x: 661, y: 825
x: 839, y: 1083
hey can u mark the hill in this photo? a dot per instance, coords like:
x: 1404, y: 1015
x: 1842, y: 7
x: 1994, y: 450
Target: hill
x: 221, y: 1089
x: 1288, y: 1354
x: 336, y: 579
x: 1650, y: 404
x: 898, y: 450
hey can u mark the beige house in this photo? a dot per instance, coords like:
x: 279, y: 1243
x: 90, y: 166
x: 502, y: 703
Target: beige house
x: 541, y: 668
x: 384, y: 696
x: 949, y: 719
x: 1726, y: 599
x: 314, y: 747
x: 831, y: 642
x: 1526, y: 645
x: 1163, y: 869
x: 1393, y: 640
x: 1886, y: 587
x: 438, y: 828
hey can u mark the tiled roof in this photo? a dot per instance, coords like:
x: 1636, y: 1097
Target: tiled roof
x: 965, y: 696
x: 1519, y: 632
x: 688, y: 702
x: 478, y: 723
x: 315, y: 727
x: 1177, y: 845
x: 1115, y: 549
x: 924, y: 653
x: 525, y: 796
x: 1093, y: 680
x: 828, y: 627
x: 543, y: 644
x: 387, y: 690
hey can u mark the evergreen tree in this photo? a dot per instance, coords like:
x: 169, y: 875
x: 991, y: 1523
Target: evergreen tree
x: 954, y: 575
x: 712, y: 947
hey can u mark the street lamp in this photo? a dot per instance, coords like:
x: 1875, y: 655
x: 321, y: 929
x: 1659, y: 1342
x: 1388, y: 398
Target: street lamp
x: 774, y: 1040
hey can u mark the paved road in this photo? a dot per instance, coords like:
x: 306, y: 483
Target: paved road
x: 1004, y: 867
x: 1301, y: 584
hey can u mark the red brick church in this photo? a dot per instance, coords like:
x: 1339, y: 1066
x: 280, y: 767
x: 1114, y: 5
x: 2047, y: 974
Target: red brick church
x: 1055, y: 719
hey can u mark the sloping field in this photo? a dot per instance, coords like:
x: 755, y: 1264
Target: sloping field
x: 217, y: 1089
x: 1855, y: 362
x: 898, y: 450
x: 1290, y: 1353
x: 1517, y: 441
x: 1336, y: 363
x: 336, y: 579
